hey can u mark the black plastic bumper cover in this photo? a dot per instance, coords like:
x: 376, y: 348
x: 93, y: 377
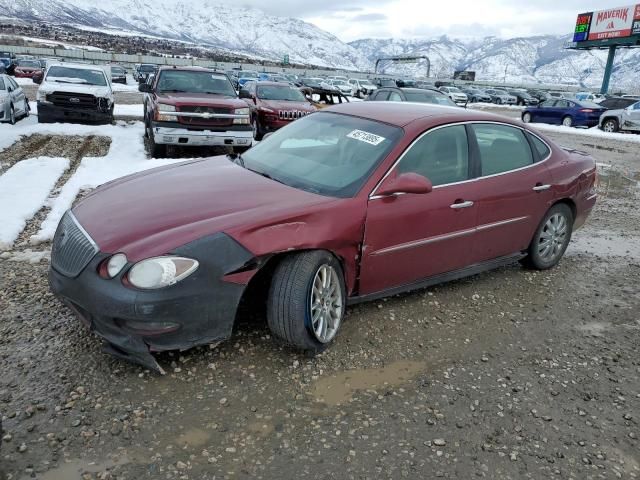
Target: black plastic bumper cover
x: 203, y: 305
x: 54, y: 112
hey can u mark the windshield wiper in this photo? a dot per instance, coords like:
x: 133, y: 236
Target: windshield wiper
x: 73, y: 83
x: 173, y: 91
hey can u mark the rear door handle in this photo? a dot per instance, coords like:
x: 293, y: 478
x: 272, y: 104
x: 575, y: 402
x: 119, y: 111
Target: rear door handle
x: 541, y: 188
x: 459, y: 205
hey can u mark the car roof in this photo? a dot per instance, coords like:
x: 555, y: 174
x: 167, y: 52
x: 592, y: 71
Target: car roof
x: 401, y: 114
x: 272, y: 84
x: 189, y: 69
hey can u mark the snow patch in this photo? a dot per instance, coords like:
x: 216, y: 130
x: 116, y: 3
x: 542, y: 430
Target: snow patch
x: 28, y: 255
x: 24, y: 188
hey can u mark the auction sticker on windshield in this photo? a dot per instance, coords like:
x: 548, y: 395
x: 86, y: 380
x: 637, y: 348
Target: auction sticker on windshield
x: 366, y: 137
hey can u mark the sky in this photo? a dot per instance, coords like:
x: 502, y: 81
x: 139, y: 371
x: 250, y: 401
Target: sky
x: 355, y: 19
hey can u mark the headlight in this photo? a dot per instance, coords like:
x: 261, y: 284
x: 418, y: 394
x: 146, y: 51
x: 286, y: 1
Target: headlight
x: 163, y: 107
x: 159, y: 272
x: 41, y: 96
x: 241, y: 121
x: 116, y: 264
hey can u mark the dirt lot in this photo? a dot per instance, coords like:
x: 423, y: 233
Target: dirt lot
x: 509, y: 374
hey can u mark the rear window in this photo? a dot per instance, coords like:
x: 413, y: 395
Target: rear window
x: 2, y: 87
x: 502, y: 148
x: 427, y: 96
x: 540, y: 147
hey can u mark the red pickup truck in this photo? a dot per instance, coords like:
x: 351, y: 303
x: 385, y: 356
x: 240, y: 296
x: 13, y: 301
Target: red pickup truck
x: 192, y: 106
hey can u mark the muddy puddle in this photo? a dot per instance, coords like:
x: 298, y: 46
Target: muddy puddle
x: 605, y: 244
x: 613, y: 183
x: 75, y: 469
x: 194, y: 437
x: 341, y: 388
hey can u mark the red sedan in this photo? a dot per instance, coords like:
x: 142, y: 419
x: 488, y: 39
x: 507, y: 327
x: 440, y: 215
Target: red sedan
x: 356, y: 202
x: 27, y: 68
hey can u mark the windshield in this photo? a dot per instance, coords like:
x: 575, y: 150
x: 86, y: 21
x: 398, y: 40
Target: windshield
x: 286, y: 93
x: 453, y: 89
x: 191, y: 81
x: 147, y: 68
x: 429, y: 97
x: 117, y: 70
x: 312, y: 82
x: 341, y: 83
x: 29, y: 63
x: 248, y: 74
x: 84, y: 76
x: 325, y: 153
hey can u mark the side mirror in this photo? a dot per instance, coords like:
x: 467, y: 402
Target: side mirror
x: 245, y: 94
x: 144, y: 88
x: 405, y: 183
x: 37, y: 78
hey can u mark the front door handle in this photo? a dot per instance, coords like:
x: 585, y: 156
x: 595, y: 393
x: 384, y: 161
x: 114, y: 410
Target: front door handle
x: 541, y: 188
x: 459, y: 205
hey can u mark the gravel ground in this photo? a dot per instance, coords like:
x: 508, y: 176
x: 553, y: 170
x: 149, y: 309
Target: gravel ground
x: 509, y: 374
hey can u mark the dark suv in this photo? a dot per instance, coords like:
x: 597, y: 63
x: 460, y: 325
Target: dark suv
x: 193, y: 106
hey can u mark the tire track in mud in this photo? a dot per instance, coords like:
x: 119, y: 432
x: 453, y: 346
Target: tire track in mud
x: 75, y: 148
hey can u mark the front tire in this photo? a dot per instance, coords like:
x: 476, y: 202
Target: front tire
x: 307, y: 300
x: 610, y: 125
x: 257, y: 130
x: 567, y: 121
x: 526, y: 117
x: 12, y: 115
x: 551, y: 238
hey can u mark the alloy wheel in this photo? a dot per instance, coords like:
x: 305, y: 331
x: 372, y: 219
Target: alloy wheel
x: 326, y: 304
x: 609, y: 126
x: 567, y: 121
x: 553, y: 237
x: 526, y: 118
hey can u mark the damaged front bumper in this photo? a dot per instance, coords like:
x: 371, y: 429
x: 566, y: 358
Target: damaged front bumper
x: 199, y: 310
x: 57, y: 113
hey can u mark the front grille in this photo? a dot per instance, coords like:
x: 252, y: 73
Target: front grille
x: 205, y: 121
x: 72, y: 248
x: 291, y: 114
x: 76, y: 100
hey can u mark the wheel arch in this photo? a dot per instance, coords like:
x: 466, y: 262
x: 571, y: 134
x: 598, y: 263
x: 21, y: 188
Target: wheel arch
x: 568, y: 202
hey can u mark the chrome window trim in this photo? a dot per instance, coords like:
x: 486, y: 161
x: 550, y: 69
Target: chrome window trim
x: 373, y: 196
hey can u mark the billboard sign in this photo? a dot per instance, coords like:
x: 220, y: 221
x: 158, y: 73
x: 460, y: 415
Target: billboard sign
x: 620, y: 22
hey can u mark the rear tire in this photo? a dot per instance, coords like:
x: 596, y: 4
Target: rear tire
x: 499, y: 101
x: 307, y: 300
x: 551, y: 239
x: 526, y: 117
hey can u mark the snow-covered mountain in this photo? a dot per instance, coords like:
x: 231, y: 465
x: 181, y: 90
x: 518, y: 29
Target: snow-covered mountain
x: 541, y: 59
x: 240, y: 29
x: 248, y: 31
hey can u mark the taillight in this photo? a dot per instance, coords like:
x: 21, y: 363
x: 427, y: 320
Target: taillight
x: 587, y: 110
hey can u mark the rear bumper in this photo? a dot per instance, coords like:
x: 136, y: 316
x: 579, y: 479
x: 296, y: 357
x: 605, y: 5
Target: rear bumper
x: 173, y: 134
x: 66, y: 114
x: 200, y: 309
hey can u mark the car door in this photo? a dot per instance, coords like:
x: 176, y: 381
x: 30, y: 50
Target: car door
x: 513, y: 192
x: 17, y: 97
x: 631, y: 117
x: 409, y: 237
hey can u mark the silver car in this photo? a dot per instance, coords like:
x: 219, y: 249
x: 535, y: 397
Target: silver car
x: 13, y: 102
x: 626, y: 119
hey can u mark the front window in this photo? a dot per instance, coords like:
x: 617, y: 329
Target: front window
x: 502, y: 148
x: 324, y: 153
x: 288, y: 94
x: 83, y: 76
x: 442, y: 156
x: 429, y: 96
x: 29, y: 63
x: 193, y: 81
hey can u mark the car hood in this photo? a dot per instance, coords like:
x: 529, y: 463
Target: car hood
x: 284, y: 105
x: 50, y: 87
x: 201, y: 99
x: 151, y: 213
